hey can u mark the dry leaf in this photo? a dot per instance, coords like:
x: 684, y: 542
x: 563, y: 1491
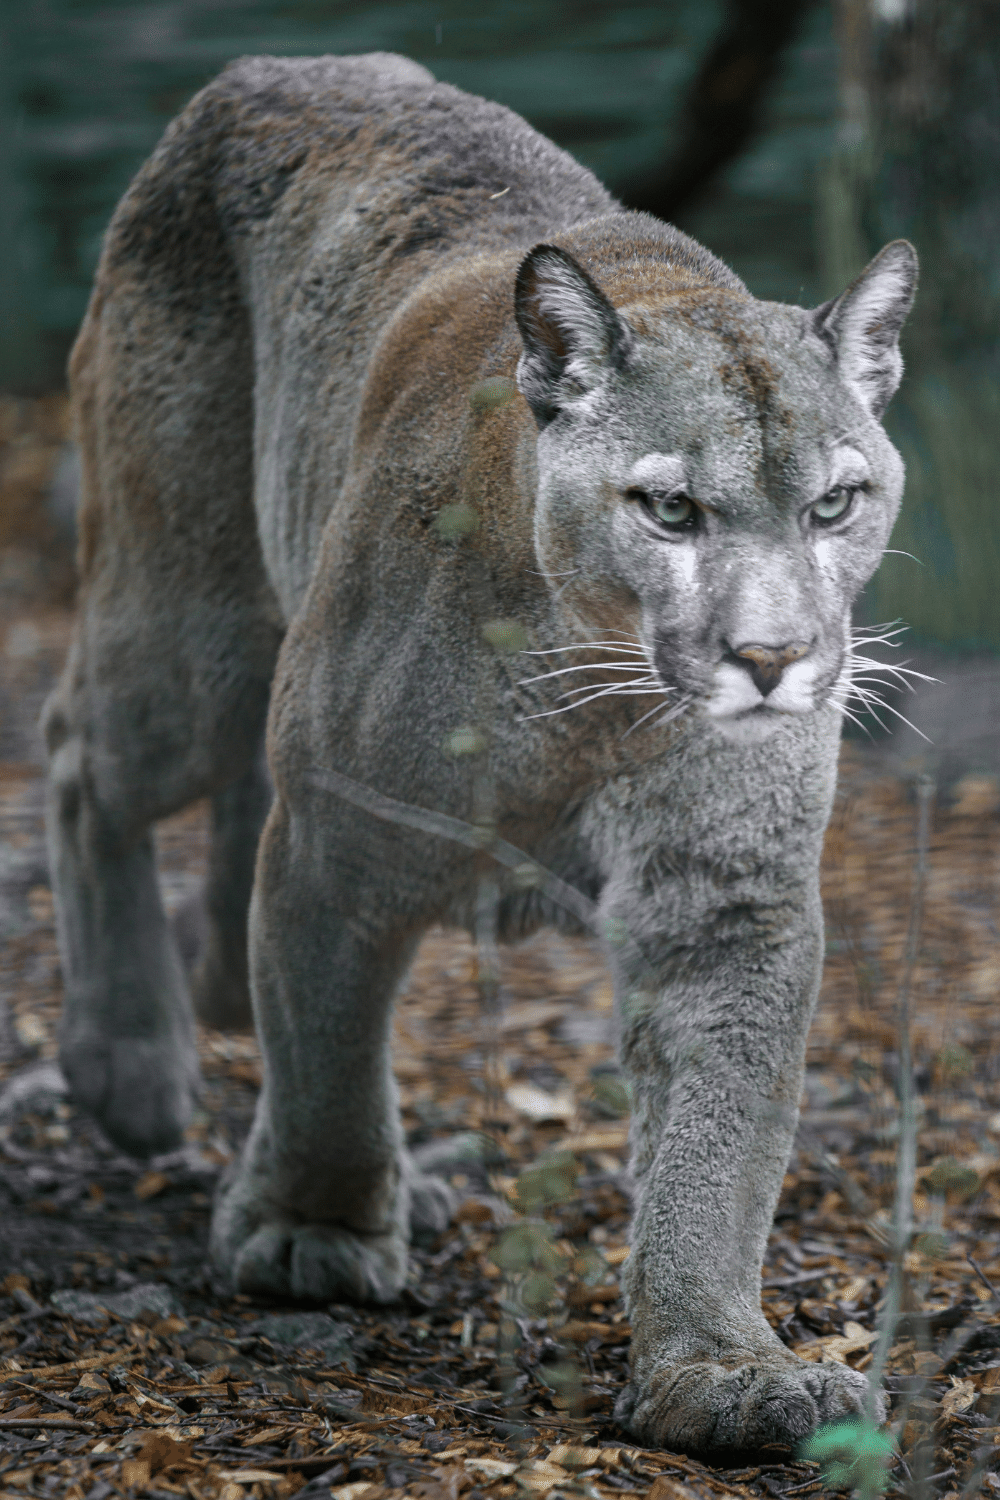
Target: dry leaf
x: 253, y: 1476
x: 539, y: 1106
x: 665, y: 1488
x: 134, y: 1472
x: 608, y: 1333
x: 151, y: 1183
x: 615, y: 1138
x: 161, y: 1451
x: 837, y: 1346
x: 959, y: 1398
x: 490, y: 1468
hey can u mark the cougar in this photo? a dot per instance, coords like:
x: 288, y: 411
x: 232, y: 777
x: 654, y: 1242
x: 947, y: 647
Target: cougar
x: 400, y: 436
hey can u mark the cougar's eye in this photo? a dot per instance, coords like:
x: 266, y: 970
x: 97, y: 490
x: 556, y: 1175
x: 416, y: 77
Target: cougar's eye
x: 676, y: 512
x: 833, y: 505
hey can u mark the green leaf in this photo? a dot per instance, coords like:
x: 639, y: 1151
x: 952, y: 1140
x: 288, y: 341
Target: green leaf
x: 522, y: 1246
x: 466, y: 740
x: 612, y: 1097
x: 551, y: 1180
x: 506, y: 636
x: 564, y: 1379
x: 454, y: 521
x: 954, y: 1061
x: 492, y: 394
x: 537, y: 1292
x: 591, y: 1267
x: 853, y: 1455
x: 949, y: 1176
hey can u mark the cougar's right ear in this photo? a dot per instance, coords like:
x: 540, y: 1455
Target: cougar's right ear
x: 862, y: 325
x: 571, y: 332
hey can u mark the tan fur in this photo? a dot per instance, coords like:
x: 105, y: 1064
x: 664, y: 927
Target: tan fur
x: 279, y: 391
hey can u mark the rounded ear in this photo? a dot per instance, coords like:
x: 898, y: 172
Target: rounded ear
x: 571, y: 333
x: 863, y: 324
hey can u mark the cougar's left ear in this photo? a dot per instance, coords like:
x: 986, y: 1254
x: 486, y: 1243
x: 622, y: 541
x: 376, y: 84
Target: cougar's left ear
x: 571, y: 332
x: 863, y: 324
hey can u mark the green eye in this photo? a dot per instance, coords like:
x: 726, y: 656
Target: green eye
x: 834, y: 505
x: 671, y: 510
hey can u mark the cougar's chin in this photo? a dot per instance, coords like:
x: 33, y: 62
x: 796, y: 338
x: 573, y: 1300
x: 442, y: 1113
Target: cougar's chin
x: 750, y: 727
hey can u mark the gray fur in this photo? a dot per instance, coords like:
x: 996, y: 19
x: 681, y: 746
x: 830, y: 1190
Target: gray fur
x: 272, y: 389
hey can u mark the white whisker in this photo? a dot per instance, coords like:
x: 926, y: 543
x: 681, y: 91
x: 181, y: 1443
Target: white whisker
x: 585, y: 687
x: 654, y: 710
x: 845, y: 713
x: 624, y: 689
x: 615, y: 646
x: 587, y: 666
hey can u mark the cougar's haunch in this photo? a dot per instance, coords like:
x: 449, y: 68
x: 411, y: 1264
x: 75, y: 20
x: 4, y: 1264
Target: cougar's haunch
x: 374, y: 379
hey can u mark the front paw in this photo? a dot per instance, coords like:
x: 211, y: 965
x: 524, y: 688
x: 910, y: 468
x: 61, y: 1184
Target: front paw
x: 264, y: 1252
x: 707, y: 1407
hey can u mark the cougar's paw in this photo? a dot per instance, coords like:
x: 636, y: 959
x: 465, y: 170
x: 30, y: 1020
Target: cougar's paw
x: 432, y: 1203
x: 706, y: 1407
x: 267, y: 1252
x: 320, y: 1262
x: 140, y: 1090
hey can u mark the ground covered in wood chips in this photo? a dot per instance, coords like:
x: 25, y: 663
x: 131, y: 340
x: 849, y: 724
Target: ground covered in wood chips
x: 125, y: 1369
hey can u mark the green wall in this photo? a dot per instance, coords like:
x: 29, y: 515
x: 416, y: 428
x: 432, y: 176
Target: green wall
x: 872, y: 129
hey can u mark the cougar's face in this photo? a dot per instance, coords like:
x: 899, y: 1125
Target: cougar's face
x: 724, y: 498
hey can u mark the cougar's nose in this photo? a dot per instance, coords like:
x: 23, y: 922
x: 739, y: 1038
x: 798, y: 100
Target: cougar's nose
x: 766, y: 663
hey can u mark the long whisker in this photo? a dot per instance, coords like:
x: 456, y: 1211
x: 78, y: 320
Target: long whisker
x: 901, y: 672
x: 654, y: 710
x: 673, y: 712
x: 585, y: 687
x: 869, y: 698
x: 587, y: 666
x: 845, y: 713
x: 616, y: 689
x: 614, y: 646
x: 625, y: 689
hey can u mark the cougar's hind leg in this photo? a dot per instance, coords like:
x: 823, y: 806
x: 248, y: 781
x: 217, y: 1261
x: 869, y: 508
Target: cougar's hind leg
x: 212, y: 929
x: 325, y: 1197
x: 164, y: 696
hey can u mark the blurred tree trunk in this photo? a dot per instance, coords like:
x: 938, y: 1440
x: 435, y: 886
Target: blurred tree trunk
x: 722, y: 108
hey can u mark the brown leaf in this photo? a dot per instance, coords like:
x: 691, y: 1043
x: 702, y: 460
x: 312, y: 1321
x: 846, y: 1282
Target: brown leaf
x: 134, y: 1472
x: 151, y: 1183
x: 665, y: 1488
x: 161, y: 1451
x: 608, y: 1333
x: 959, y: 1398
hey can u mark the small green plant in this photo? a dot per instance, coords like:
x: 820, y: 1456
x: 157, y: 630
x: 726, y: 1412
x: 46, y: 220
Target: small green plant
x: 852, y: 1456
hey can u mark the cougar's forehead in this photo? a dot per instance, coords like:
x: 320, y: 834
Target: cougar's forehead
x: 742, y: 390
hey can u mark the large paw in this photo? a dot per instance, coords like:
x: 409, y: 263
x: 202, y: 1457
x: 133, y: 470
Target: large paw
x: 708, y: 1407
x: 141, y: 1090
x: 265, y: 1251
x: 321, y: 1263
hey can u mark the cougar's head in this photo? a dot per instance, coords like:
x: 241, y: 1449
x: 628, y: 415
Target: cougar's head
x: 714, y: 479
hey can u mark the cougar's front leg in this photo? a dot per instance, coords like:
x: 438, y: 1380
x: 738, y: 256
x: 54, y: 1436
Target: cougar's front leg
x: 713, y: 1034
x: 324, y: 1197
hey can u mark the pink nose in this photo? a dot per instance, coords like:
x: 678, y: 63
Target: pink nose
x: 766, y: 663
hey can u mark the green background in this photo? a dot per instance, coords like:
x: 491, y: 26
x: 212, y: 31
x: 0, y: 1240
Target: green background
x: 880, y: 122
